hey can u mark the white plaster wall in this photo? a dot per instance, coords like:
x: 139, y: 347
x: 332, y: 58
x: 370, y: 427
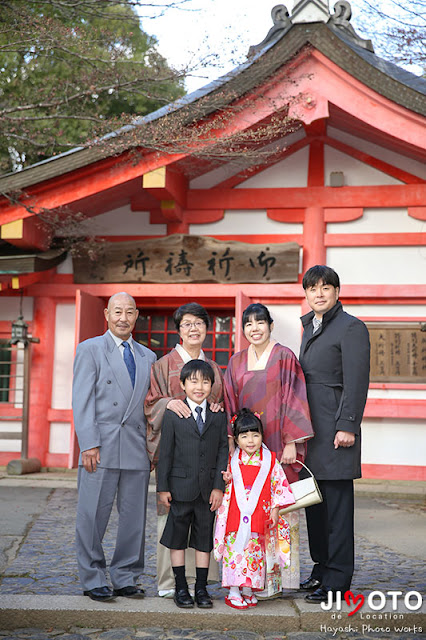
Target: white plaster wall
x: 401, y: 394
x: 356, y: 173
x: 245, y: 223
x: 59, y: 437
x: 122, y: 222
x: 63, y: 356
x: 215, y: 177
x: 386, y: 441
x: 9, y: 308
x: 395, y: 220
x: 291, y: 172
x: 379, y: 265
x: 66, y: 266
x: 287, y: 325
x: 396, y: 159
x: 10, y: 445
x: 386, y: 310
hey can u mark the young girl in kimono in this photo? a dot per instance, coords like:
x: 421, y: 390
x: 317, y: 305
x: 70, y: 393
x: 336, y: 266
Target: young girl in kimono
x: 257, y: 488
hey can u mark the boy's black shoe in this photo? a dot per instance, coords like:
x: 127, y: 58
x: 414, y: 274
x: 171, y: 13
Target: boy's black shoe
x: 183, y: 599
x: 203, y: 599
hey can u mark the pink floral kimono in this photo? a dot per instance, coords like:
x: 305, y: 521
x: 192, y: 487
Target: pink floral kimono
x: 247, y: 567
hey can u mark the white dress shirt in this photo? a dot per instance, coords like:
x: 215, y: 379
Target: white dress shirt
x: 119, y: 343
x: 193, y: 405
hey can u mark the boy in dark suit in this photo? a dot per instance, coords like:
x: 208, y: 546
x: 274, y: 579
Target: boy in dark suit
x: 193, y: 454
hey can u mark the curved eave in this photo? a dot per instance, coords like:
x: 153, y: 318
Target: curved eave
x: 388, y: 80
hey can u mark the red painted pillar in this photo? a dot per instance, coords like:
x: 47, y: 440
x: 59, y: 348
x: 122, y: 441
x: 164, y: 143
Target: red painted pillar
x: 41, y: 378
x: 314, y: 251
x: 314, y: 227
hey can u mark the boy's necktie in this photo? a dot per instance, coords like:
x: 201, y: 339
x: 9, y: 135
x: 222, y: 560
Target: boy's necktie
x: 130, y: 362
x: 199, y: 421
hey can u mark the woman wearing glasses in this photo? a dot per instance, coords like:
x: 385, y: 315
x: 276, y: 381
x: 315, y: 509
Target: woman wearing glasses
x: 192, y: 322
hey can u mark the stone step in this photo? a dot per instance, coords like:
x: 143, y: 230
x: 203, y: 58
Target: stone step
x: 284, y: 615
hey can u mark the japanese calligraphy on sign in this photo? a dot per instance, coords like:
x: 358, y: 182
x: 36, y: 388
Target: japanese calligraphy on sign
x: 398, y: 352
x: 185, y: 258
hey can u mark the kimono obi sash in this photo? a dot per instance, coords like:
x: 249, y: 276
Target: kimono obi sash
x: 249, y: 473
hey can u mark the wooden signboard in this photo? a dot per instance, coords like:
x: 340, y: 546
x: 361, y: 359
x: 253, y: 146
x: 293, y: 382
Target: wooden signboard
x: 185, y: 258
x: 398, y: 352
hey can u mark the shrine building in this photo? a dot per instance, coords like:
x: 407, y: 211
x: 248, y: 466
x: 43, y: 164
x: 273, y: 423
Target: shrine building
x: 310, y: 152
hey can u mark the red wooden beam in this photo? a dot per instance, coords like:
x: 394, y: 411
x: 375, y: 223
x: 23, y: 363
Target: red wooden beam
x: 394, y: 472
x: 204, y: 216
x: 177, y: 227
x: 5, y: 283
x: 28, y: 233
x: 316, y: 164
x: 395, y: 408
x: 166, y: 183
x: 412, y: 195
x: 286, y: 215
x: 171, y: 211
x: 351, y: 294
x: 41, y: 376
x: 419, y: 213
x: 343, y: 214
x: 143, y: 201
x: 59, y: 415
x: 316, y: 129
x: 314, y: 251
x: 374, y: 239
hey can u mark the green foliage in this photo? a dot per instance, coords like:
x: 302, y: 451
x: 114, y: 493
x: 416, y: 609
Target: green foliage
x: 72, y: 71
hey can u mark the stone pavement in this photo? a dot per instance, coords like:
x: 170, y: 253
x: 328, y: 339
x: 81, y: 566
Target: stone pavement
x: 44, y: 567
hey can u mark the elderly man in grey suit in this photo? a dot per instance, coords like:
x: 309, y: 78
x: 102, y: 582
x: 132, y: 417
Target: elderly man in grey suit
x: 111, y: 378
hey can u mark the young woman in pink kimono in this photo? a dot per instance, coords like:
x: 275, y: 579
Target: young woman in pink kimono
x: 267, y: 378
x: 256, y: 489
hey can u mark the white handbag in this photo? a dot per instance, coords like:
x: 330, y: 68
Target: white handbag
x: 306, y: 493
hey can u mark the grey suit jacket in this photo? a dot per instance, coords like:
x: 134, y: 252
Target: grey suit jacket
x: 108, y: 412
x: 190, y: 463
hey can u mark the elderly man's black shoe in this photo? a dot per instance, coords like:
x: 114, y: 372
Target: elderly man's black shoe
x: 319, y: 595
x: 203, y: 599
x: 101, y: 594
x: 310, y: 584
x: 130, y: 592
x: 183, y: 599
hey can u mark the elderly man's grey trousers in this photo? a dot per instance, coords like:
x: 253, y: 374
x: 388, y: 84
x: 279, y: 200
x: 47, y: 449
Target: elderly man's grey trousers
x: 96, y: 493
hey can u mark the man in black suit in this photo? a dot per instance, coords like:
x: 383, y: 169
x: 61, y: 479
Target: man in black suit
x: 335, y: 358
x: 193, y: 454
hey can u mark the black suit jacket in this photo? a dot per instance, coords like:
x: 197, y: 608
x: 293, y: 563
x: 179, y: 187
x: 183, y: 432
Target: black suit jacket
x: 336, y: 363
x: 190, y: 463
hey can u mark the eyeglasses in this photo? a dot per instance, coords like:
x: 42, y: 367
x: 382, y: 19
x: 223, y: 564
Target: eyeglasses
x: 198, y: 324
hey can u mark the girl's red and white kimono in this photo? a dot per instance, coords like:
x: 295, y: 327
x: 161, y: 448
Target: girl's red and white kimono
x: 247, y: 567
